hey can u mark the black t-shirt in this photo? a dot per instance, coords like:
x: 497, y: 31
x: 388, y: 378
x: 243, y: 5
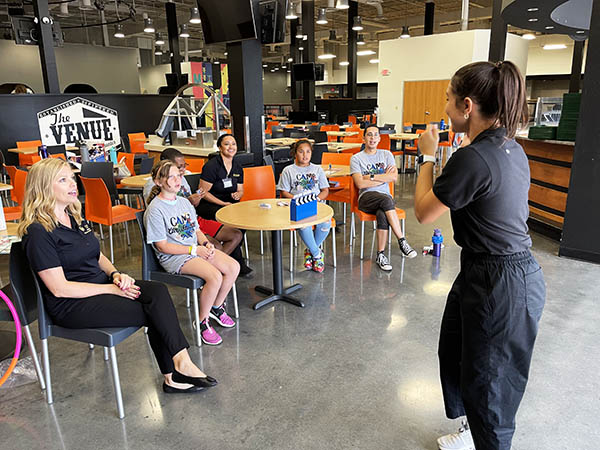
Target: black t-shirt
x: 214, y: 172
x: 486, y: 186
x: 74, y: 249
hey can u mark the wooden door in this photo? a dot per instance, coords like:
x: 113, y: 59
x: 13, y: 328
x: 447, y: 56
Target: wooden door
x: 424, y: 101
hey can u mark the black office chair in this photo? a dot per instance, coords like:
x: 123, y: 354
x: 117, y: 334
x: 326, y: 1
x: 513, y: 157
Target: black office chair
x: 21, y: 274
x: 318, y: 136
x: 23, y: 295
x: 287, y: 132
x: 153, y: 271
x: 57, y: 150
x: 146, y: 165
x: 194, y: 181
x: 276, y: 134
x: 313, y: 128
x: 317, y: 153
x: 298, y: 134
x: 102, y: 170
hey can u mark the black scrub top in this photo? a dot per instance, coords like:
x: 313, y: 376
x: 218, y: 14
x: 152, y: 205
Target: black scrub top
x: 74, y: 249
x: 214, y: 172
x: 486, y: 187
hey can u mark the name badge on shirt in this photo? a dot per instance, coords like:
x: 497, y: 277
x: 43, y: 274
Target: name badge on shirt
x: 227, y: 183
x: 85, y: 228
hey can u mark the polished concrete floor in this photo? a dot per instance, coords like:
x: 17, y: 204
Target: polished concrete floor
x: 355, y: 369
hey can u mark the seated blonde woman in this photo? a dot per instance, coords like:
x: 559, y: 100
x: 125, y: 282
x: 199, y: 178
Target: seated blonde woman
x: 80, y: 286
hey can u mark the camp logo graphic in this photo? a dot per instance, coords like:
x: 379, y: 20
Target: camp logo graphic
x: 182, y: 226
x: 79, y: 119
x: 375, y: 169
x: 307, y: 181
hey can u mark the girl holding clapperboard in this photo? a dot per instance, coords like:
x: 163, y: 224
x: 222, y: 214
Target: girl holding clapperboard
x: 303, y: 176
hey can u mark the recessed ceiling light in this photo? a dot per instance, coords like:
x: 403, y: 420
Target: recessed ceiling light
x: 533, y: 9
x: 365, y: 52
x: 374, y: 61
x: 554, y: 47
x: 290, y: 59
x: 529, y: 36
x: 533, y: 19
x: 580, y: 31
x: 264, y: 65
x: 300, y: 48
x: 344, y: 63
x: 549, y: 27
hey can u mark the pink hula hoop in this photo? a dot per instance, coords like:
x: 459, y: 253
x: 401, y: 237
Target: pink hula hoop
x: 15, y: 358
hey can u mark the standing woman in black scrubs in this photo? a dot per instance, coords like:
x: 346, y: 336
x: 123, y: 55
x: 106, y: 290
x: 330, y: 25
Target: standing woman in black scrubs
x: 81, y: 287
x: 492, y: 312
x: 223, y: 181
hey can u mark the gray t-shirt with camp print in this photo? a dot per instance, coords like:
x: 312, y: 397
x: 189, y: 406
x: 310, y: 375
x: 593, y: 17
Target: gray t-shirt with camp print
x: 295, y: 179
x: 375, y: 164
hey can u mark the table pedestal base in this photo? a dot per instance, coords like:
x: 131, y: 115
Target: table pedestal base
x: 274, y: 297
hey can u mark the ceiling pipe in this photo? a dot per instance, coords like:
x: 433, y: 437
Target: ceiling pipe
x: 464, y: 16
x: 375, y: 3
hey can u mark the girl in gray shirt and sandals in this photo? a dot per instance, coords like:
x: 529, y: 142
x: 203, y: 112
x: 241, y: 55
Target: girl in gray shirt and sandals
x: 172, y: 229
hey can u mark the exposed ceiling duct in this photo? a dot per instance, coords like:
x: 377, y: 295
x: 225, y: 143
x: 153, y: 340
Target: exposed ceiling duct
x: 375, y: 3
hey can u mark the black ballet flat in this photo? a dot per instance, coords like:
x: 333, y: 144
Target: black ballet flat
x: 173, y: 390
x: 204, y: 382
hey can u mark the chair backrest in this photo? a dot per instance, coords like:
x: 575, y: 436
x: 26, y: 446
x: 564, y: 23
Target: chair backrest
x: 259, y: 183
x: 146, y: 165
x: 23, y: 287
x: 385, y: 142
x: 354, y: 195
x: 279, y: 154
x: 318, y: 136
x: 268, y: 161
x: 340, y: 159
x: 137, y: 146
x: 194, y: 181
x: 102, y: 170
x: 287, y: 132
x: 149, y: 260
x: 195, y: 164
x: 352, y: 119
x: 136, y: 137
x: 356, y: 139
x: 351, y: 151
x: 129, y: 161
x: 98, y: 206
x: 28, y: 144
x: 317, y: 153
x: 57, y: 149
x: 20, y: 179
x: 277, y: 134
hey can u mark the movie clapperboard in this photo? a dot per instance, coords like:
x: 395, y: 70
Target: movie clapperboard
x: 303, y: 206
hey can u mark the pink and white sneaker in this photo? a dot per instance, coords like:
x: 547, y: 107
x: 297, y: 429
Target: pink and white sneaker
x: 221, y: 317
x: 208, y: 333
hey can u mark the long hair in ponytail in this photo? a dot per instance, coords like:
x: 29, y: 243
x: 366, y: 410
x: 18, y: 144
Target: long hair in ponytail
x: 498, y: 89
x: 160, y: 172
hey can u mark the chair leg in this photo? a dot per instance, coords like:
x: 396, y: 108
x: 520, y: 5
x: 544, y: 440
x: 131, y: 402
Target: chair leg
x: 389, y: 243
x: 291, y: 250
x: 262, y: 250
x: 235, y: 301
x: 197, y: 318
x: 127, y: 233
x: 187, y: 298
x: 112, y: 256
x: 46, y: 362
x: 34, y: 356
x: 101, y: 232
x: 105, y: 353
x: 116, y: 381
x: 362, y: 238
x: 402, y: 225
x: 344, y: 216
x: 295, y: 238
x: 246, y: 245
x: 333, y: 246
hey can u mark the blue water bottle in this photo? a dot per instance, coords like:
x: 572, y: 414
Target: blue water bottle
x: 442, y: 125
x: 437, y: 240
x: 113, y: 155
x: 43, y: 151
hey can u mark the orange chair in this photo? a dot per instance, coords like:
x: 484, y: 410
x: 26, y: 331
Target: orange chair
x: 259, y: 183
x: 341, y: 194
x: 28, y: 159
x: 446, y: 147
x: 385, y: 143
x: 195, y: 165
x: 136, y: 142
x: 352, y: 119
x: 364, y: 217
x: 357, y: 138
x: 352, y: 151
x: 129, y: 161
x: 17, y: 194
x: 330, y: 128
x: 99, y: 209
x: 271, y: 124
x: 136, y: 136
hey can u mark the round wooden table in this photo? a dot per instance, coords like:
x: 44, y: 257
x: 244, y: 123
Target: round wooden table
x: 138, y: 181
x: 250, y: 216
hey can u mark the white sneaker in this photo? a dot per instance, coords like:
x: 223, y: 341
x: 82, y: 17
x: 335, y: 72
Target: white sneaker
x: 383, y: 262
x: 461, y: 440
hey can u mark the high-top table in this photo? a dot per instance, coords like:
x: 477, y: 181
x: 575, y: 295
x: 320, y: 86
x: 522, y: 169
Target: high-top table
x: 250, y: 216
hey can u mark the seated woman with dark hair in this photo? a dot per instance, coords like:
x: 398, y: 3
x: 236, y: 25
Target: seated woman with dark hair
x: 81, y: 287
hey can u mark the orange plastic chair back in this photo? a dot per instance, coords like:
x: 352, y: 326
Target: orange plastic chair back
x: 136, y: 136
x: 351, y: 151
x: 12, y: 173
x: 28, y: 144
x: 340, y: 159
x: 58, y: 155
x: 259, y: 183
x: 354, y: 202
x: 385, y: 142
x: 352, y: 119
x: 98, y: 207
x: 129, y: 160
x: 195, y: 165
x: 28, y: 159
x: 18, y: 191
x: 137, y: 146
x: 357, y: 138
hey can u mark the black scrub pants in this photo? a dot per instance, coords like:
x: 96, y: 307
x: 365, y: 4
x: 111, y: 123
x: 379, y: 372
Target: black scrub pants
x: 488, y: 331
x: 153, y: 308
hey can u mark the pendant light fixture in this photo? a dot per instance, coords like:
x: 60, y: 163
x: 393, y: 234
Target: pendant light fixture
x: 183, y: 31
x: 195, y: 15
x: 322, y: 18
x: 405, y: 32
x: 332, y: 35
x: 342, y: 4
x: 299, y: 34
x: 291, y: 12
x: 118, y: 31
x: 158, y: 51
x: 63, y: 10
x: 357, y: 24
x: 360, y: 40
x: 159, y: 39
x: 86, y: 5
x: 148, y: 24
x: 328, y: 51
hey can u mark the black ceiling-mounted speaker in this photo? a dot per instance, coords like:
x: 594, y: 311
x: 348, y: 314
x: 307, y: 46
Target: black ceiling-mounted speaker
x: 272, y: 20
x: 216, y: 76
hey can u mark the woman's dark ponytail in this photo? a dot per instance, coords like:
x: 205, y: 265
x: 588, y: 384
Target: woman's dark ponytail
x: 498, y: 89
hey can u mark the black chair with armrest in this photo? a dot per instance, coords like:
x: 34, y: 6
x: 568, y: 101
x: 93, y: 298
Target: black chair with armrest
x: 318, y: 136
x: 21, y: 274
x: 146, y: 165
x: 317, y: 153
